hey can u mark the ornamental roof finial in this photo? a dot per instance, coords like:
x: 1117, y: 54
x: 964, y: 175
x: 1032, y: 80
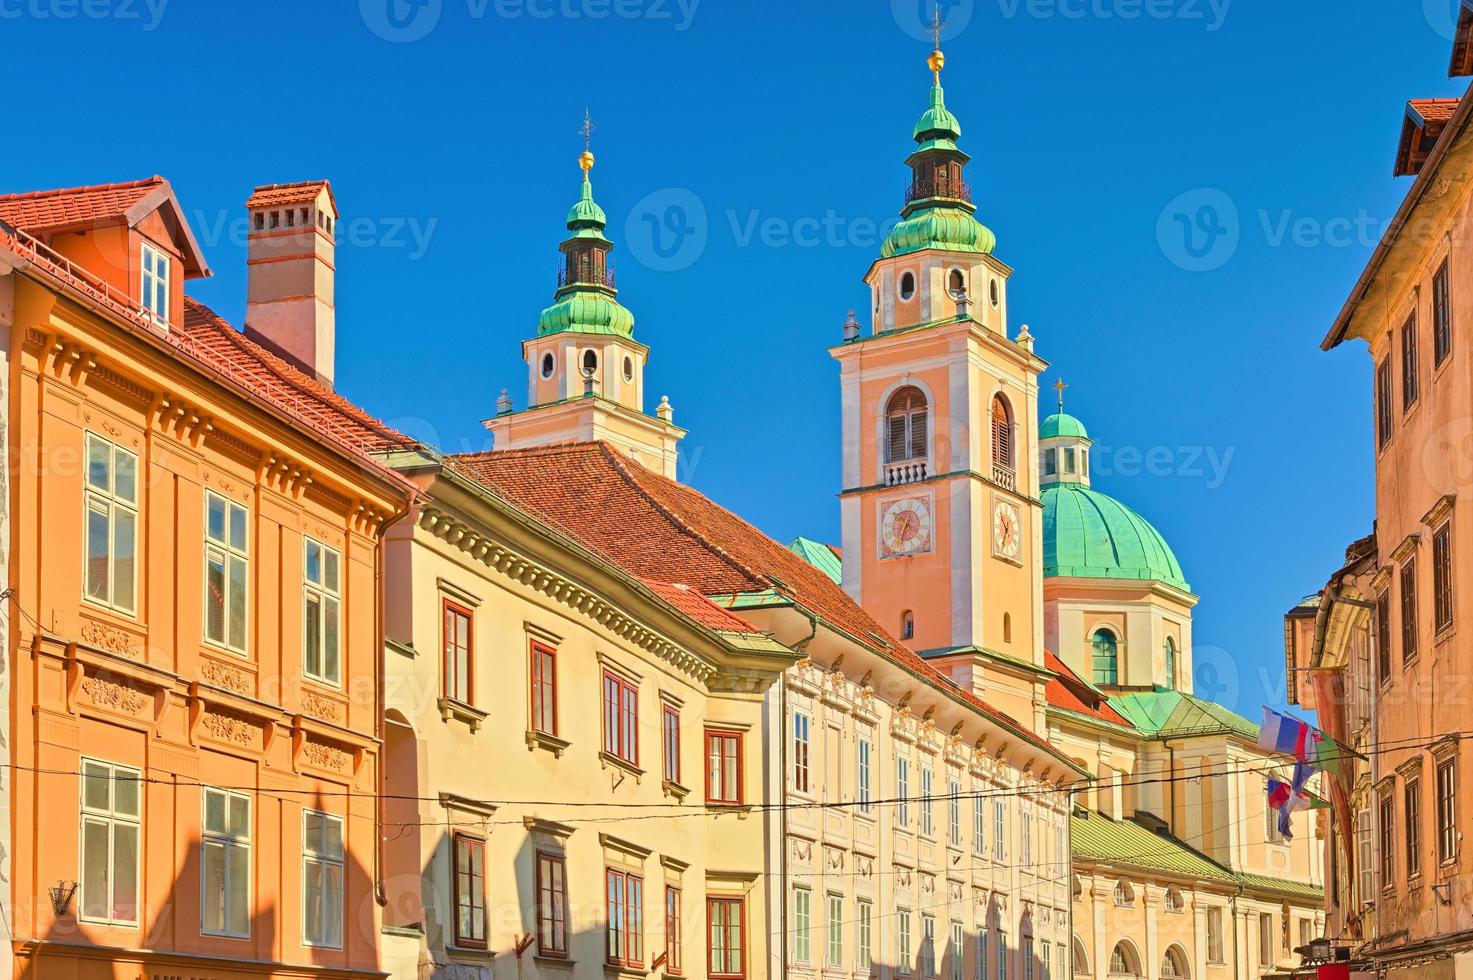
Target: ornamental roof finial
x: 585, y: 159
x: 937, y: 60
x: 1059, y: 386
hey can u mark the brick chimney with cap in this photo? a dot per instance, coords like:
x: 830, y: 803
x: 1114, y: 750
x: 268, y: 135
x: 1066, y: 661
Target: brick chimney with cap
x: 290, y: 259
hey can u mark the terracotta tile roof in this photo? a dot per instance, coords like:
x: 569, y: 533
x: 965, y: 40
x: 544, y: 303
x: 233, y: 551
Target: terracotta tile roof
x: 69, y: 206
x: 280, y: 381
x: 658, y: 529
x: 276, y: 195
x: 696, y: 606
x: 1434, y: 110
x: 1420, y: 130
x: 1069, y: 692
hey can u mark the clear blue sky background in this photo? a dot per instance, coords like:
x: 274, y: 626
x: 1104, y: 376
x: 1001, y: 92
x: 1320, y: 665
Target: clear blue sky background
x: 1086, y: 124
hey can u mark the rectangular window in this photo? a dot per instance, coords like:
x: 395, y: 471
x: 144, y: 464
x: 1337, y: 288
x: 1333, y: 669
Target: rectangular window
x: 322, y: 879
x: 1271, y: 824
x: 457, y: 643
x: 724, y: 768
x: 864, y: 935
x: 835, y: 932
x: 112, y: 525
x: 673, y: 965
x: 1365, y: 864
x: 902, y: 791
x: 625, y: 897
x: 1409, y: 610
x: 1447, y: 803
x: 1383, y: 402
x: 1383, y: 636
x: 470, y: 891
x: 902, y: 940
x: 800, y: 752
x: 928, y: 945
x: 1388, y: 842
x: 1442, y: 577
x: 1045, y: 951
x: 621, y: 718
x: 954, y: 813
x: 1412, y: 807
x: 670, y: 736
x: 954, y: 954
x: 552, y: 905
x: 862, y: 775
x: 1442, y: 316
x: 321, y: 602
x: 227, y: 563
x: 928, y: 825
x: 1214, y: 935
x: 1265, y: 939
x: 1050, y: 462
x: 1027, y: 958
x: 802, y: 925
x: 727, y: 946
x: 982, y: 953
x: 112, y: 815
x: 979, y: 825
x: 225, y: 864
x: 154, y: 288
x: 1027, y: 839
x: 1409, y: 378
x: 544, y: 690
x: 999, y: 831
x: 1002, y: 955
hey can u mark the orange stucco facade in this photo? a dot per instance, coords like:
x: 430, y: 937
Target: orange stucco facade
x: 195, y: 646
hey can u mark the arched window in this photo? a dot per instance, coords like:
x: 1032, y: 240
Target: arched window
x: 907, y: 625
x: 1106, y: 657
x: 1007, y: 627
x: 590, y: 361
x: 1173, y: 901
x: 1081, y: 962
x: 1124, y: 897
x: 1170, y: 658
x: 906, y: 425
x: 907, y: 286
x: 957, y: 284
x: 1002, y: 432
x: 1174, y: 964
x: 548, y: 363
x: 1123, y: 962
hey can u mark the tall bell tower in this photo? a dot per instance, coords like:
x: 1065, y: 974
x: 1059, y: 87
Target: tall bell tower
x: 941, y: 516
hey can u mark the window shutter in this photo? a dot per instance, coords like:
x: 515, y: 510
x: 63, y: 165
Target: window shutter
x: 895, y: 450
x: 918, y: 435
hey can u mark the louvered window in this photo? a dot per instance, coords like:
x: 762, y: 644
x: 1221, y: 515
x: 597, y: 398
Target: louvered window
x: 1002, y: 433
x: 906, y: 426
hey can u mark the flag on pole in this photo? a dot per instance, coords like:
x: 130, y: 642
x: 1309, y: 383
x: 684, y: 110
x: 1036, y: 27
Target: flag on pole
x: 1326, y: 754
x: 1285, y: 735
x: 1288, y: 797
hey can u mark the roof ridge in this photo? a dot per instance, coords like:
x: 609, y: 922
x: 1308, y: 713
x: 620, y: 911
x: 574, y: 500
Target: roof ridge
x: 84, y: 189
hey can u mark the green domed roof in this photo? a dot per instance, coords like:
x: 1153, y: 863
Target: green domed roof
x: 586, y: 310
x: 937, y: 122
x: 1062, y: 425
x: 1087, y: 534
x: 951, y: 229
x: 585, y: 218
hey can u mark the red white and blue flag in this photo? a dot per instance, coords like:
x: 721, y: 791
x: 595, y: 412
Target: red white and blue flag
x: 1289, y: 797
x: 1286, y: 736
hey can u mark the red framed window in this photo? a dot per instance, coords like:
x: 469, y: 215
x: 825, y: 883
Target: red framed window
x: 544, y: 689
x: 673, y: 964
x: 552, y: 905
x: 727, y: 947
x: 621, y: 718
x: 625, y: 894
x: 457, y: 642
x: 724, y: 767
x: 670, y: 731
x: 470, y: 891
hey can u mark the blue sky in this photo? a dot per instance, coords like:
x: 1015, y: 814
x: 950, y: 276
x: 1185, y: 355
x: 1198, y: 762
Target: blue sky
x: 1102, y: 131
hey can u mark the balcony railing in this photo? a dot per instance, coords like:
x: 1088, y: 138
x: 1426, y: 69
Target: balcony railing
x: 957, y: 190
x: 585, y: 276
x: 1005, y: 476
x: 906, y: 471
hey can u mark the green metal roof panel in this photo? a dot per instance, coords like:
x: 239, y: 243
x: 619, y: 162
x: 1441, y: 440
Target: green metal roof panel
x: 820, y: 556
x: 1098, y: 838
x: 1282, y: 886
x: 1062, y: 425
x: 586, y: 309
x: 1087, y: 534
x: 950, y: 229
x: 1172, y: 714
x: 937, y: 121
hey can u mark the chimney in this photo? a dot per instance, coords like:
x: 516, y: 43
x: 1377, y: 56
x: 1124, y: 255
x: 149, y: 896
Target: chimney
x: 289, y: 292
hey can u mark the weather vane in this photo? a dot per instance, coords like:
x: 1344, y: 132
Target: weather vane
x: 937, y: 59
x: 1059, y: 386
x: 585, y: 159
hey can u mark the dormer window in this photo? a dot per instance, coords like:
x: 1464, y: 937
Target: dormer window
x: 154, y: 291
x: 906, y: 425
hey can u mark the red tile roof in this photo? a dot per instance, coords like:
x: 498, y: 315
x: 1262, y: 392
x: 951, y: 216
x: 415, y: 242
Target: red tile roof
x: 276, y: 195
x: 1420, y: 130
x: 1070, y: 692
x: 697, y: 607
x: 658, y: 529
x: 71, y: 206
x: 1434, y: 110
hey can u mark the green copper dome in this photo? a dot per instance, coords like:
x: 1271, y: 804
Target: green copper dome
x: 586, y: 310
x: 948, y: 228
x: 586, y: 219
x: 937, y: 122
x: 1087, y: 534
x: 1062, y: 425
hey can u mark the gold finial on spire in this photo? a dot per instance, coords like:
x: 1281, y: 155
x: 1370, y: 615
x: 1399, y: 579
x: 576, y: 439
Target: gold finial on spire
x: 937, y: 61
x: 1059, y: 386
x: 585, y: 159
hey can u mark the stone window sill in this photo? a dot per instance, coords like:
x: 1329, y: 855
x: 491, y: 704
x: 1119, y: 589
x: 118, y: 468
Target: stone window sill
x: 609, y: 759
x: 460, y: 711
x: 542, y: 740
x: 674, y: 790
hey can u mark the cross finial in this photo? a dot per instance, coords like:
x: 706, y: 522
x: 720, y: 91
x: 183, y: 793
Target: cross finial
x: 586, y: 130
x: 936, y: 26
x: 1059, y: 386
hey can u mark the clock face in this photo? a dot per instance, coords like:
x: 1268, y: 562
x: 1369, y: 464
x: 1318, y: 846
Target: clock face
x: 905, y: 527
x: 1007, y: 530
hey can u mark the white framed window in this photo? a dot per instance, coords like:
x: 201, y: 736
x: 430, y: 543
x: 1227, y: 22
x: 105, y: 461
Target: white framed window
x: 801, y: 757
x: 902, y: 791
x: 1027, y: 839
x: 154, y: 286
x: 902, y: 941
x: 954, y: 956
x: 802, y: 925
x: 862, y: 775
x: 954, y: 812
x: 1045, y: 950
x: 928, y: 945
x: 322, y: 879
x: 999, y: 830
x: 1214, y: 935
x: 835, y: 932
x: 321, y: 605
x: 928, y: 823
x: 227, y: 567
x: 225, y: 864
x: 982, y: 953
x: 1027, y: 952
x: 1002, y: 955
x: 979, y: 824
x: 111, y: 550
x: 112, y: 820
x: 864, y: 935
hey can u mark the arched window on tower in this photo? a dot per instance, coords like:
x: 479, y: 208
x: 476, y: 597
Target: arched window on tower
x: 1106, y: 657
x: 1169, y: 655
x: 907, y: 625
x: 1002, y: 433
x: 906, y: 425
